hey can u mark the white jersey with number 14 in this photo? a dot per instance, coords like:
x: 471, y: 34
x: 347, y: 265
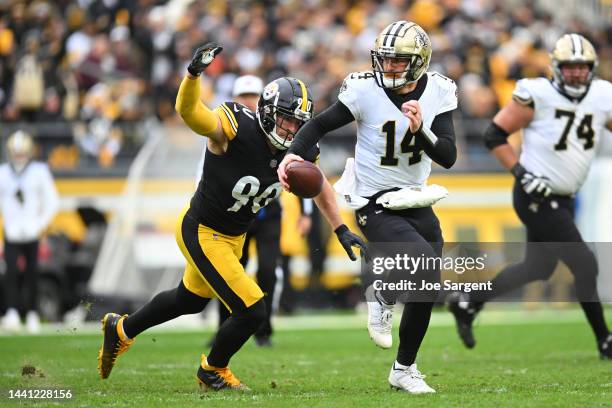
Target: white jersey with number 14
x: 386, y: 155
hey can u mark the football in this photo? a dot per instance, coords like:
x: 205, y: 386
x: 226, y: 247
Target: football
x: 305, y: 179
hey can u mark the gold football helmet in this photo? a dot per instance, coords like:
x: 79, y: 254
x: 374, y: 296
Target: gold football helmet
x: 20, y: 148
x: 571, y: 49
x: 401, y: 40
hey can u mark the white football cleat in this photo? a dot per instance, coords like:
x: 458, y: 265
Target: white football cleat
x: 380, y: 320
x: 32, y: 322
x: 11, y: 320
x: 409, y: 379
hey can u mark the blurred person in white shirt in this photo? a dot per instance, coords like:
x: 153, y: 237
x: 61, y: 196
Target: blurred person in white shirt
x: 29, y: 203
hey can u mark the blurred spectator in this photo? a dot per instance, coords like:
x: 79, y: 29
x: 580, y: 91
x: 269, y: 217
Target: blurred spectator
x: 98, y: 136
x: 142, y: 46
x: 29, y: 203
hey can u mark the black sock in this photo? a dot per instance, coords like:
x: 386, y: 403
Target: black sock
x: 234, y: 332
x: 595, y: 316
x: 163, y: 307
x: 413, y: 326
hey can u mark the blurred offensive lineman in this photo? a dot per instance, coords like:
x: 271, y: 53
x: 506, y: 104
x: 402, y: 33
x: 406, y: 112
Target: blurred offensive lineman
x: 243, y: 151
x: 563, y: 121
x: 404, y: 121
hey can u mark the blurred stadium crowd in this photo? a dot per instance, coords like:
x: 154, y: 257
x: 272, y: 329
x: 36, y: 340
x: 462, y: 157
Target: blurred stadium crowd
x: 89, y: 68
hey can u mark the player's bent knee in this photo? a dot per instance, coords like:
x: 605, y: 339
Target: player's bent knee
x: 188, y: 302
x: 255, y: 314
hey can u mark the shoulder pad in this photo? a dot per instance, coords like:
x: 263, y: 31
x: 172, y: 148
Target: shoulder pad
x: 442, y: 81
x: 527, y: 89
x: 231, y: 114
x: 446, y: 89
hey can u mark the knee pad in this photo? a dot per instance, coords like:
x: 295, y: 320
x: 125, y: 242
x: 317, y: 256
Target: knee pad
x: 255, y: 313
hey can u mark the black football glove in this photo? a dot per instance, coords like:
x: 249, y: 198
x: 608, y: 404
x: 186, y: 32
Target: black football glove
x: 536, y: 187
x: 348, y: 240
x: 203, y: 57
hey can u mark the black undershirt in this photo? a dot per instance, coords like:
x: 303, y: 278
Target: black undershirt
x: 444, y: 152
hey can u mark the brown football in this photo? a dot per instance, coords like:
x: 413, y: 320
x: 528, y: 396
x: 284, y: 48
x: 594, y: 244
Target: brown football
x: 305, y: 179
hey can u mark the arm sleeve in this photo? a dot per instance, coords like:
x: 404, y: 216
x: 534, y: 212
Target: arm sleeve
x: 495, y: 136
x: 444, y: 152
x: 331, y: 118
x: 195, y: 114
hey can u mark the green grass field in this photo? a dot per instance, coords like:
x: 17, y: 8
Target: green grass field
x: 550, y: 363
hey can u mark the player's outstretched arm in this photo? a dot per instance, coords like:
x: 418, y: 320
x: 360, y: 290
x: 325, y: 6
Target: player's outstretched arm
x: 309, y: 135
x: 282, y: 168
x: 196, y: 115
x: 326, y: 201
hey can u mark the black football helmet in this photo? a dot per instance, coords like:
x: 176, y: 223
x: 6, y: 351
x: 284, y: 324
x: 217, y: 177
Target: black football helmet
x: 287, y: 97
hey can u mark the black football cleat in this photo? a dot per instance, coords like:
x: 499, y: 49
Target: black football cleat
x: 113, y: 345
x: 464, y: 312
x: 605, y: 348
x: 216, y: 379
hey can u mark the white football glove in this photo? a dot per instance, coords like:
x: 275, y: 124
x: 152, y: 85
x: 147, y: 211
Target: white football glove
x: 537, y: 187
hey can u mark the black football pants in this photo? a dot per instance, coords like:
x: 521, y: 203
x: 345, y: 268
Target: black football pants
x: 266, y: 233
x: 552, y: 223
x: 419, y: 227
x: 29, y: 251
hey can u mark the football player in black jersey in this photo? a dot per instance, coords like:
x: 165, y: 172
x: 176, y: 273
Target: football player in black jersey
x: 239, y: 178
x: 265, y: 229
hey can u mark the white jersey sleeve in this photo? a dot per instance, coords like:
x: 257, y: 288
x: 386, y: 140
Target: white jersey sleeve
x: 522, y: 93
x: 350, y: 91
x: 447, y: 92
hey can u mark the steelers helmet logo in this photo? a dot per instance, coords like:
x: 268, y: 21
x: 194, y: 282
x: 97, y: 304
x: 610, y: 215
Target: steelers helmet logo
x: 270, y: 91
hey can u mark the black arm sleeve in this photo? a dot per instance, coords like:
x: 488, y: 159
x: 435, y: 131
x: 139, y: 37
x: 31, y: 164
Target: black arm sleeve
x: 445, y: 151
x: 331, y: 118
x: 495, y: 136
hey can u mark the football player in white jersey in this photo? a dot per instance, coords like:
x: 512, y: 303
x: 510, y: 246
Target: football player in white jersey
x: 404, y: 122
x: 563, y: 121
